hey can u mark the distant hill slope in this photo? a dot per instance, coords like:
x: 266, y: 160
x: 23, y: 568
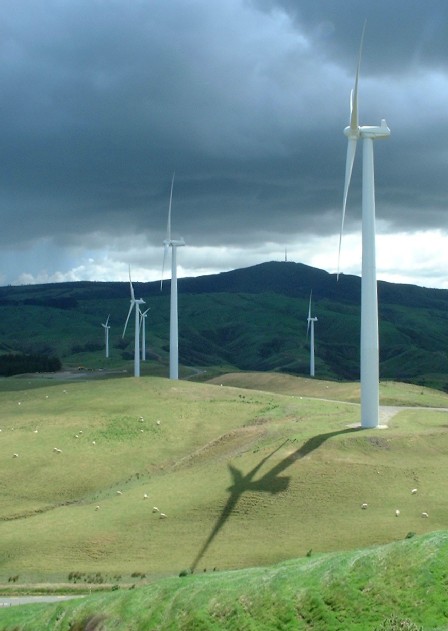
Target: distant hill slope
x: 247, y: 319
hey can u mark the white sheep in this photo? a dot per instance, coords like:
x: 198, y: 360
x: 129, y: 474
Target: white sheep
x: 97, y: 508
x: 397, y: 513
x: 158, y: 422
x: 76, y: 436
x: 155, y: 509
x: 364, y: 506
x: 425, y: 515
x: 162, y: 516
x: 15, y: 455
x: 119, y: 493
x: 93, y: 442
x: 56, y: 450
x: 414, y: 491
x: 145, y: 496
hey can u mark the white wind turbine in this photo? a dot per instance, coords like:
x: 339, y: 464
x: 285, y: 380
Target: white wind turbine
x: 369, y: 298
x: 310, y: 331
x: 174, y: 335
x: 135, y: 302
x: 106, y: 327
x: 143, y: 316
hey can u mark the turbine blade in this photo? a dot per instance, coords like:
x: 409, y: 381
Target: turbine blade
x: 168, y: 227
x: 107, y: 321
x: 351, y: 151
x: 130, y: 284
x: 309, y: 315
x: 354, y: 122
x: 127, y: 319
x: 165, y: 251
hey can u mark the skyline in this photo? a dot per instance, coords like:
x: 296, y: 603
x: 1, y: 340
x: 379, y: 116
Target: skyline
x: 102, y: 101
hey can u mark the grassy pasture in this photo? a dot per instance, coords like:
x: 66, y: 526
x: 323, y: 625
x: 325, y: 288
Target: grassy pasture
x: 342, y: 591
x: 247, y: 478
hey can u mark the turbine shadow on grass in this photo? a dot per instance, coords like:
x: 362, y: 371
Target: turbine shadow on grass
x: 270, y: 482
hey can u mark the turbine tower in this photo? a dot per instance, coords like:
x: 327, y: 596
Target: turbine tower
x: 143, y: 316
x: 135, y: 303
x: 369, y: 297
x: 310, y: 330
x: 106, y: 327
x: 174, y: 335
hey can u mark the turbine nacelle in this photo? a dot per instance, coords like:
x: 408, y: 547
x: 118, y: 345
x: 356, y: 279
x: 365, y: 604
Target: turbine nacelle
x: 368, y: 131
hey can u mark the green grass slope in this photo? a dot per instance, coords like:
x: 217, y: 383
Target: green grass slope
x: 245, y: 477
x: 398, y: 586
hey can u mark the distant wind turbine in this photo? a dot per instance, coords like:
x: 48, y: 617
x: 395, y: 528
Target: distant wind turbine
x: 135, y: 303
x: 310, y: 331
x: 174, y: 336
x: 106, y: 334
x: 369, y: 297
x: 143, y: 316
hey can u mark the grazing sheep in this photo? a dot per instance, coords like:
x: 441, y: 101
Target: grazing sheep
x: 425, y: 515
x: 145, y: 496
x: 76, y: 436
x: 155, y: 509
x: 80, y: 431
x: 15, y: 455
x: 158, y: 422
x: 162, y: 516
x: 414, y: 491
x: 397, y: 513
x: 364, y: 506
x: 56, y: 450
x: 141, y: 419
x: 119, y: 493
x: 97, y: 508
x: 93, y: 442
x: 36, y: 431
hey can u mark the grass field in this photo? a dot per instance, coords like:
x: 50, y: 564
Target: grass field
x: 247, y: 477
x: 400, y: 586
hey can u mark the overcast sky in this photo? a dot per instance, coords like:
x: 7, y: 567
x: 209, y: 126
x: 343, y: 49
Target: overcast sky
x: 246, y: 100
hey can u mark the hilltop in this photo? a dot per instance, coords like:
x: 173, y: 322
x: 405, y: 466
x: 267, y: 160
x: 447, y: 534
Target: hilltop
x: 247, y: 319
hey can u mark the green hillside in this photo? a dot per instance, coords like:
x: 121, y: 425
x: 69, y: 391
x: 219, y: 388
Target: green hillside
x: 400, y: 586
x: 248, y: 319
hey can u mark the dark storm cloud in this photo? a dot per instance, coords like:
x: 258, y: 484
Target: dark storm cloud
x: 246, y: 100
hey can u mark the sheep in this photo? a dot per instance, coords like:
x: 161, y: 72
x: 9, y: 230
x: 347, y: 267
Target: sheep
x: 97, y: 508
x: 145, y: 496
x: 76, y: 436
x: 364, y: 506
x: 119, y: 493
x: 141, y: 419
x: 15, y: 455
x: 162, y: 516
x: 155, y: 509
x: 56, y: 450
x: 425, y: 515
x: 158, y: 422
x: 414, y: 491
x: 36, y: 431
x: 93, y: 442
x: 80, y: 431
x: 397, y: 513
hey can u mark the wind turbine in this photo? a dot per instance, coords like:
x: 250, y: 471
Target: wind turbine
x: 310, y: 330
x: 369, y: 297
x: 174, y: 335
x: 106, y: 334
x: 143, y: 316
x: 135, y: 303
